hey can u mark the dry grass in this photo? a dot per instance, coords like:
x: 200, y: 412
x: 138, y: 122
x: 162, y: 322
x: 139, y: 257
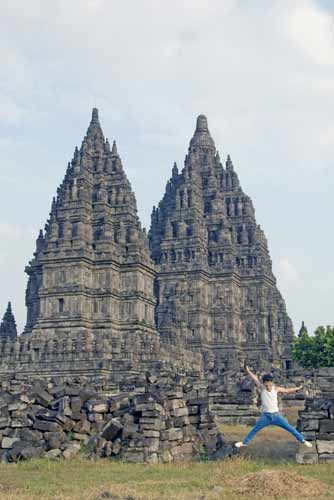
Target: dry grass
x: 279, y: 484
x: 238, y: 478
x: 243, y: 477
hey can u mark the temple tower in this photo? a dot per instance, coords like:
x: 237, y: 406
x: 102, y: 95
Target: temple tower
x: 8, y: 329
x: 92, y: 272
x: 215, y: 286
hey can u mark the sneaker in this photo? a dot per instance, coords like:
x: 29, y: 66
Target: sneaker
x: 239, y: 444
x: 308, y: 444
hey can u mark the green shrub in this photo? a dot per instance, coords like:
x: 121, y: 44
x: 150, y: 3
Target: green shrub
x: 315, y: 351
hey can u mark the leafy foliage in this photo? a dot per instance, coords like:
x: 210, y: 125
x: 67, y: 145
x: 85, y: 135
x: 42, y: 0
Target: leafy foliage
x: 315, y: 351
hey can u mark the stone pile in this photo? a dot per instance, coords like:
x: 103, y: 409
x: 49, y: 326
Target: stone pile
x: 316, y: 422
x: 156, y: 421
x: 233, y: 398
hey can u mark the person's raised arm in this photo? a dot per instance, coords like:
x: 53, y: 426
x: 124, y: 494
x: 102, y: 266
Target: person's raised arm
x: 289, y: 390
x: 253, y: 377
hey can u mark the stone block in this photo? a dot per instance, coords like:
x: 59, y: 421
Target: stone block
x: 4, y: 422
x: 97, y: 406
x: 306, y: 415
x: 308, y: 425
x: 325, y: 446
x: 71, y: 450
x: 45, y: 426
x: 172, y: 404
x: 327, y: 426
x: 152, y: 444
x: 322, y: 436
x: 8, y: 442
x: 181, y: 421
x: 43, y: 398
x: 30, y: 435
x: 54, y: 439
x: 95, y: 417
x: 28, y: 453
x: 75, y: 404
x: 326, y: 457
x: 174, y: 434
x: 83, y: 427
x: 53, y: 454
x: 151, y: 434
x: 152, y: 406
x: 306, y: 457
x: 27, y: 398
x: 180, y: 412
x: 17, y: 406
x: 21, y: 422
x: 112, y: 430
x: 134, y: 455
x: 79, y: 437
x: 129, y: 430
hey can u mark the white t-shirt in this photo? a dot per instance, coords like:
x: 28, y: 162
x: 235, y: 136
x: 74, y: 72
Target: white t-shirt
x: 269, y: 400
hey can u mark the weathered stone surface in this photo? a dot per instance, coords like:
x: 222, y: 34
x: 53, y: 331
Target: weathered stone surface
x: 306, y: 457
x: 326, y: 457
x: 97, y: 406
x: 53, y: 454
x: 323, y: 430
x: 8, y: 442
x: 112, y: 430
x: 309, y: 425
x: 4, y: 422
x: 71, y: 450
x: 43, y: 425
x: 327, y: 426
x: 325, y: 446
x: 202, y: 233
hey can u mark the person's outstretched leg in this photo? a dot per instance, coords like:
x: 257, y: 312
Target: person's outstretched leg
x: 263, y: 421
x: 282, y: 422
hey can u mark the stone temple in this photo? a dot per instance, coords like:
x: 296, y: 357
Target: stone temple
x: 104, y: 298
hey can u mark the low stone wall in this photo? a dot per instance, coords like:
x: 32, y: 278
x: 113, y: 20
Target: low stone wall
x: 316, y: 422
x: 159, y: 419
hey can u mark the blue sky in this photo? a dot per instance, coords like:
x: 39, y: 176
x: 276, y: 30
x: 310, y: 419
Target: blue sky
x: 262, y: 72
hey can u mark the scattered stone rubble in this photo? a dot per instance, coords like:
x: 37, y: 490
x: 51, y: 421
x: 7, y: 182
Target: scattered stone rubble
x: 152, y: 420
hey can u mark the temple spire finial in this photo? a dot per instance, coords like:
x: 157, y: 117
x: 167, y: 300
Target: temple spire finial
x: 95, y: 116
x: 202, y: 137
x: 202, y: 124
x: 303, y: 330
x: 114, y: 151
x: 94, y: 131
x: 8, y: 325
x: 229, y: 164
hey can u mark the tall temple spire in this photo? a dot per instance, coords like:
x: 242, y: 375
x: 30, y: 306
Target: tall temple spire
x: 202, y: 137
x: 205, y: 226
x: 94, y: 216
x: 8, y: 325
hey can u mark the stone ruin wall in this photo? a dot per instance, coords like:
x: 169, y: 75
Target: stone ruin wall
x: 316, y: 420
x: 152, y: 419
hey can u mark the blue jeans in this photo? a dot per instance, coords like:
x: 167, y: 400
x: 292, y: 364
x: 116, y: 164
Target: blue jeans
x: 273, y: 419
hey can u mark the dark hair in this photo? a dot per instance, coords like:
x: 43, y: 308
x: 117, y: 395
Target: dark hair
x: 267, y: 378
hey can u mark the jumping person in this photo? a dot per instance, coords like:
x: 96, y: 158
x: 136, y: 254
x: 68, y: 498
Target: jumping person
x: 270, y: 412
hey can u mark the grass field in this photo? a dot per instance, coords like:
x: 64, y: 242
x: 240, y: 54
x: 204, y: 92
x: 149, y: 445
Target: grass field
x: 266, y: 470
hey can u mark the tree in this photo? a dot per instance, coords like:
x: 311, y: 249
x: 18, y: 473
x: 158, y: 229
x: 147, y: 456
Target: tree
x: 315, y: 351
